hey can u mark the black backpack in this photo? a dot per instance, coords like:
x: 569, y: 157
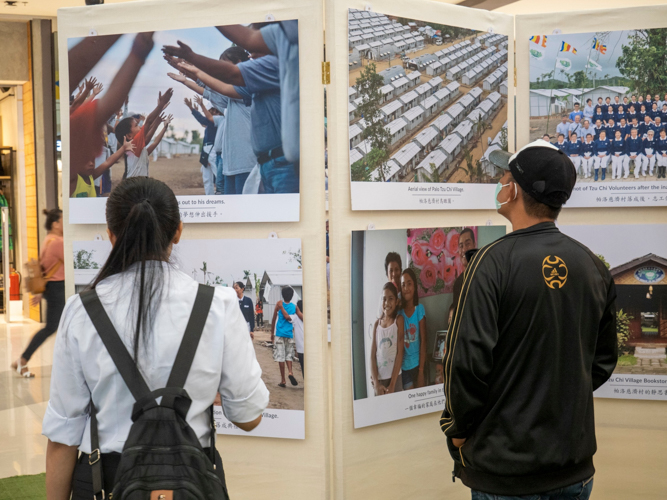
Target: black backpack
x: 162, y: 457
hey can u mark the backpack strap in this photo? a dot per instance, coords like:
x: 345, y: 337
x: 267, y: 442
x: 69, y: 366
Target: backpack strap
x: 193, y: 332
x: 117, y: 350
x: 127, y: 369
x: 188, y: 349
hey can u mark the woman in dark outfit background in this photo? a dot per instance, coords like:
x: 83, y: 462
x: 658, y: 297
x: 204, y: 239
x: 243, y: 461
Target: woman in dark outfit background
x: 247, y: 308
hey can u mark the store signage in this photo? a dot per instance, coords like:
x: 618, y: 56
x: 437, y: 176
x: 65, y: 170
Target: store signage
x: 649, y: 274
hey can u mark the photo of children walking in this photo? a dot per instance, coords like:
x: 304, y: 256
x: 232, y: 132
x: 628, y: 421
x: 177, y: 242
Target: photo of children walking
x: 212, y: 112
x: 404, y: 286
x: 266, y: 276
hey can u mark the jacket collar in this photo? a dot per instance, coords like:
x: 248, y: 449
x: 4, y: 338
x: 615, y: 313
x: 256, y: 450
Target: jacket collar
x: 542, y: 227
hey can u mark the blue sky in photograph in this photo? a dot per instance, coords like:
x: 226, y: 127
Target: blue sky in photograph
x: 153, y: 75
x: 583, y: 43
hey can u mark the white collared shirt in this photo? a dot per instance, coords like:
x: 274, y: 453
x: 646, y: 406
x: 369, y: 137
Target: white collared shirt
x: 225, y: 362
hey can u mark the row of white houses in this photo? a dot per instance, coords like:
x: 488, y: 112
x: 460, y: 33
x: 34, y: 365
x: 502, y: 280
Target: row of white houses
x: 171, y: 147
x: 494, y: 145
x: 439, y: 143
x: 495, y: 79
x: 476, y: 73
x: 411, y: 110
x: 545, y: 102
x: 446, y: 151
x: 490, y: 39
x: 371, y: 44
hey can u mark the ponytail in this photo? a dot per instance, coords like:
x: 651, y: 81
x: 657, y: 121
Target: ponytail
x: 142, y: 213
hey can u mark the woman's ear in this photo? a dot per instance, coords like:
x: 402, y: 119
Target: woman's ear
x: 112, y: 237
x: 177, y: 236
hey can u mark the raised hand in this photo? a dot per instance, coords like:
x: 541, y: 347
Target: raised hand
x: 189, y: 68
x: 90, y: 84
x: 188, y: 103
x: 168, y: 120
x: 199, y: 100
x: 143, y: 44
x: 97, y: 89
x: 183, y: 51
x: 179, y: 77
x: 163, y: 99
x: 128, y: 146
x: 80, y: 89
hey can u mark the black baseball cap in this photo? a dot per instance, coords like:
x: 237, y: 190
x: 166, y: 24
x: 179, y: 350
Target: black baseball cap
x: 541, y: 169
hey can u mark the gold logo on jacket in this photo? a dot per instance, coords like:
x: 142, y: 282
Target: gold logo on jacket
x: 554, y: 271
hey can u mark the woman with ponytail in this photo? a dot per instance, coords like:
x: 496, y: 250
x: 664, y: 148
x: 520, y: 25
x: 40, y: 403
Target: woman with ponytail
x: 149, y: 303
x: 51, y: 258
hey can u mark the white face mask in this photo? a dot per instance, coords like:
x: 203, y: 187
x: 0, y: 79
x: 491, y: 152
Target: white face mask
x: 499, y: 188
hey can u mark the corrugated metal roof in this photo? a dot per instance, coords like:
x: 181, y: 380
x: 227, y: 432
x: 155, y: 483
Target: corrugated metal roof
x: 396, y: 125
x: 355, y: 156
x: 406, y: 154
x: 392, y: 107
x: 442, y: 122
x: 430, y: 101
x: 450, y: 143
x: 355, y: 130
x: 435, y: 81
x: 437, y: 157
x: 456, y: 110
x: 413, y: 113
x: 408, y: 97
x: 426, y: 136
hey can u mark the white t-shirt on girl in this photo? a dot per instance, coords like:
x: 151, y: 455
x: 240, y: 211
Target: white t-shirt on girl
x: 386, y: 340
x: 298, y: 332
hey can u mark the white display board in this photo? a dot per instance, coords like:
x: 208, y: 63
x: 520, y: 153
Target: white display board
x: 136, y: 109
x: 427, y: 102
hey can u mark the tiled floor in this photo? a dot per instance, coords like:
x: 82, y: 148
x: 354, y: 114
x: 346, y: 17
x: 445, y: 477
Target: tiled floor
x: 22, y: 401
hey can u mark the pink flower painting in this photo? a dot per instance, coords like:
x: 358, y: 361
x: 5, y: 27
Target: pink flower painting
x: 433, y: 254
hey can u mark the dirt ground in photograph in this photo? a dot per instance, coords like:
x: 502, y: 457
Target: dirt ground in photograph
x: 283, y: 398
x: 181, y: 173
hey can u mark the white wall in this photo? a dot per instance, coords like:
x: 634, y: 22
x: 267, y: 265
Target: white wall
x: 8, y: 117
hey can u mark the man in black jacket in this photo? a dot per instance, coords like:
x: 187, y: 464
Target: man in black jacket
x: 533, y: 336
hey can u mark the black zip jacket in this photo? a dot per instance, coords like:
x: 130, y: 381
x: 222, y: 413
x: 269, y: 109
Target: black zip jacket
x: 533, y: 336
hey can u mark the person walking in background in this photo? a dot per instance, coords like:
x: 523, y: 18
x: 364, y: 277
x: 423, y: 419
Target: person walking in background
x: 259, y: 313
x: 51, y: 258
x: 534, y: 338
x: 148, y: 303
x: 245, y: 303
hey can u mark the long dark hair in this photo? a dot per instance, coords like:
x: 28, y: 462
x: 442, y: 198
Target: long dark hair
x: 413, y: 277
x: 142, y: 213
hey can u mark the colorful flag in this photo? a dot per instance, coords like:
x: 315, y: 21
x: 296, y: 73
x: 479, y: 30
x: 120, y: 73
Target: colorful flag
x: 539, y: 40
x: 563, y: 63
x: 593, y: 65
x: 566, y: 47
x: 599, y: 46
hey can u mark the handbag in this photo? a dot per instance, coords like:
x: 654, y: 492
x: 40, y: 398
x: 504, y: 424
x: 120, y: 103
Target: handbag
x: 203, y: 156
x: 35, y: 277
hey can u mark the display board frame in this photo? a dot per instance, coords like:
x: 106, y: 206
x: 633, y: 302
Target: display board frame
x: 253, y: 465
